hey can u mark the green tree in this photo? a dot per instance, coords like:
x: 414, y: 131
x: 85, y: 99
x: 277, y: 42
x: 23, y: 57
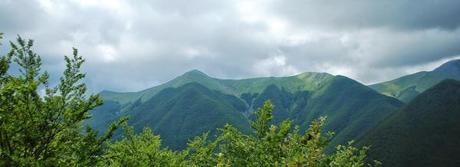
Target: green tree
x: 45, y: 128
x: 140, y: 150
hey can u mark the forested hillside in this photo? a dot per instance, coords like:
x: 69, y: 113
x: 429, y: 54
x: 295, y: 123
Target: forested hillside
x: 426, y: 132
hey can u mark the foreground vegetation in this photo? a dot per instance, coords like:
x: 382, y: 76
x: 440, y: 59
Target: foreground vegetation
x: 42, y: 125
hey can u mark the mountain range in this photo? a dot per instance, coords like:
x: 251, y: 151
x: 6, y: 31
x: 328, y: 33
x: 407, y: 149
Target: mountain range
x: 194, y: 103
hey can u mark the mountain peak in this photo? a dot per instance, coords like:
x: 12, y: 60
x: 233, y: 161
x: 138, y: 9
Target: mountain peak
x: 322, y: 74
x: 314, y: 76
x: 452, y: 67
x: 195, y: 73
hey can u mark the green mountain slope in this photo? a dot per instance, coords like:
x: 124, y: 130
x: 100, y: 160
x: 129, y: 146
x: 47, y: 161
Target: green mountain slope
x: 352, y: 108
x: 178, y: 114
x: 407, y: 87
x: 426, y: 132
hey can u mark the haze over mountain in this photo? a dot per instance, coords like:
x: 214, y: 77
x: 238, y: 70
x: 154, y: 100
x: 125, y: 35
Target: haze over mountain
x: 426, y: 132
x: 407, y: 87
x: 194, y: 103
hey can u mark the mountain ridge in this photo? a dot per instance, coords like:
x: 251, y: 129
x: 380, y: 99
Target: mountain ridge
x: 405, y: 88
x: 200, y: 77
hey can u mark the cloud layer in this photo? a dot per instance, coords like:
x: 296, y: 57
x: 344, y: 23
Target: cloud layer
x: 131, y: 46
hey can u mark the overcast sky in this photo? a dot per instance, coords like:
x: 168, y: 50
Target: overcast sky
x: 133, y: 45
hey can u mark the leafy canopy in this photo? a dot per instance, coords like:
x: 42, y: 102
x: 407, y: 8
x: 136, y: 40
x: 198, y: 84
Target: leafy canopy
x: 45, y: 128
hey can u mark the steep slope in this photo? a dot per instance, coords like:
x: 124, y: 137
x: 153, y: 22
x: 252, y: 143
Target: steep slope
x: 178, y: 114
x: 426, y: 132
x: 407, y: 87
x: 352, y: 108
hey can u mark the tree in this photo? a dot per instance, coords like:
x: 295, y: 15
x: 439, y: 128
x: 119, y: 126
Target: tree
x: 143, y: 149
x: 45, y: 129
x: 280, y: 145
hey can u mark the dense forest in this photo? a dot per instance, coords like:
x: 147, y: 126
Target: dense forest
x: 43, y: 125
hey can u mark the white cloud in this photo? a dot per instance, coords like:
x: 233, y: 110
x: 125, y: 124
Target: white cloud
x: 274, y: 66
x: 107, y: 53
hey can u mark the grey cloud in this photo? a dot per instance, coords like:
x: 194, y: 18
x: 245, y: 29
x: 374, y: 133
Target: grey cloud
x: 399, y: 14
x: 133, y: 46
x: 396, y: 49
x: 189, y: 8
x: 19, y: 15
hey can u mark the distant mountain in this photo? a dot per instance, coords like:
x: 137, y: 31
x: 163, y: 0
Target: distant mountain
x: 195, y: 102
x: 409, y: 86
x: 304, y: 81
x: 426, y: 132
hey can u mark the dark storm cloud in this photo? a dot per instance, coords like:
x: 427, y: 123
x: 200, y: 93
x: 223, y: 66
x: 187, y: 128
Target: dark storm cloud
x: 131, y: 46
x: 412, y: 48
x: 399, y: 14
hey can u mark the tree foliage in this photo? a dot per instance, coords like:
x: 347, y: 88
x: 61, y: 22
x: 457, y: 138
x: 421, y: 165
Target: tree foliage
x: 45, y: 129
x: 139, y: 150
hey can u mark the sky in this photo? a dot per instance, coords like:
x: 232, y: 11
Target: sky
x: 133, y: 45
